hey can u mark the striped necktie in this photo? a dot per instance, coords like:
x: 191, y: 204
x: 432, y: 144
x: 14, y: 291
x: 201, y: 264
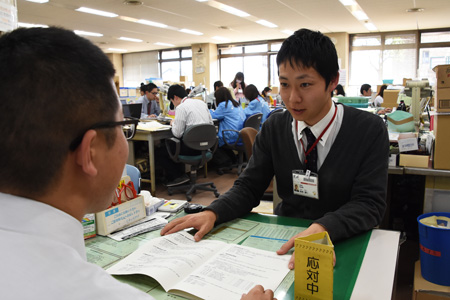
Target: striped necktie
x: 311, y: 159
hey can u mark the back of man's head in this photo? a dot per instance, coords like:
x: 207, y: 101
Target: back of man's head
x: 364, y: 88
x: 176, y: 90
x: 69, y: 87
x: 306, y: 48
x: 218, y: 84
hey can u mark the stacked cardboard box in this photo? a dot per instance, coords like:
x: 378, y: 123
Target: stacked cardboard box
x: 442, y: 117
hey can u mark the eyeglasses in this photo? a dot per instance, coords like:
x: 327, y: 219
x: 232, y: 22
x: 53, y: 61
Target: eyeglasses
x: 128, y: 127
x: 155, y: 93
x: 124, y: 192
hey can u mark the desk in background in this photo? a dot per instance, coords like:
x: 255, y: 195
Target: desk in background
x: 150, y: 137
x: 365, y: 267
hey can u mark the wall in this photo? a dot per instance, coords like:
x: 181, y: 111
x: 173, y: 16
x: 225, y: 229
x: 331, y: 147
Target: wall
x: 116, y: 59
x: 205, y: 65
x: 341, y: 42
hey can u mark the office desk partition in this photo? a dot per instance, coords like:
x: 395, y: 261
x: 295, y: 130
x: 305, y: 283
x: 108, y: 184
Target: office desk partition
x: 150, y: 137
x: 365, y: 266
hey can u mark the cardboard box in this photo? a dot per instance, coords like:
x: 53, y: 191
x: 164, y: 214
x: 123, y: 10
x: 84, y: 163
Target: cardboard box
x: 415, y: 161
x: 275, y: 90
x: 425, y: 290
x: 442, y: 141
x: 183, y: 78
x: 442, y: 100
x: 405, y: 80
x: 390, y: 98
x: 442, y: 76
x: 121, y: 215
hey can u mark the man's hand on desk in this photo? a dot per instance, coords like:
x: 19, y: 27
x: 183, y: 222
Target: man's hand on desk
x: 313, y: 228
x: 202, y: 221
x: 258, y: 293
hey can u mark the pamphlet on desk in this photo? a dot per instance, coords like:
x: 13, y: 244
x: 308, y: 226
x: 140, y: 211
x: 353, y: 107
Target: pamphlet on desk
x: 209, y: 270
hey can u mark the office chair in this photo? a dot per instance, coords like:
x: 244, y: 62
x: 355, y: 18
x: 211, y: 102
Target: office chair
x: 135, y: 176
x: 248, y: 137
x: 202, y: 137
x: 275, y: 111
x: 254, y: 121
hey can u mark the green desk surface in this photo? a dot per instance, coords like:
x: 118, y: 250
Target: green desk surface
x: 104, y: 252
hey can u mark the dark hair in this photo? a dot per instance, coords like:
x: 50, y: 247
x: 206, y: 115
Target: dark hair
x: 365, y: 87
x: 381, y: 92
x: 148, y: 87
x: 223, y: 94
x: 218, y: 84
x: 69, y: 88
x: 340, y: 90
x: 176, y: 90
x: 308, y: 48
x: 238, y: 76
x: 251, y: 92
x: 266, y: 89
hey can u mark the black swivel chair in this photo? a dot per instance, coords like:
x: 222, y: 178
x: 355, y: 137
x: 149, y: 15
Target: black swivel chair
x: 254, y: 121
x: 201, y: 137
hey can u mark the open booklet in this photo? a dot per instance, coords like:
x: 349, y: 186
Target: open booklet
x: 204, y: 270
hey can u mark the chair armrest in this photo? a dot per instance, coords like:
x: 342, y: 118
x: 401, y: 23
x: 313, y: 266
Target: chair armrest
x: 228, y: 143
x: 173, y: 140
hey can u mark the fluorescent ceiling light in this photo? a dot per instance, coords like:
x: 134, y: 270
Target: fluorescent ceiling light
x: 38, y: 1
x: 117, y: 50
x: 360, y: 15
x: 164, y: 44
x: 29, y: 25
x: 266, y: 23
x: 347, y: 2
x: 151, y: 23
x: 219, y: 38
x: 81, y: 32
x: 233, y: 11
x: 96, y: 12
x: 130, y: 39
x: 370, y: 26
x: 201, y: 0
x: 288, y: 32
x: 191, y: 31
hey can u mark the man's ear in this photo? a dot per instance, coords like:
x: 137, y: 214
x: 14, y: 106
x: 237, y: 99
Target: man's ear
x: 86, y: 152
x: 334, y: 82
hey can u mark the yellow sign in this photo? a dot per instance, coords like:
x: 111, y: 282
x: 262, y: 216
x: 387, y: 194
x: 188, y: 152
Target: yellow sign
x: 314, y: 267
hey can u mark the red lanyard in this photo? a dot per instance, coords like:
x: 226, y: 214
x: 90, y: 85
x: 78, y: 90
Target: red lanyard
x: 184, y: 99
x: 320, y: 136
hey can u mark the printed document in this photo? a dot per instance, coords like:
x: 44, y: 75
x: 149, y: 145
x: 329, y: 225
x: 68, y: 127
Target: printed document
x: 204, y: 270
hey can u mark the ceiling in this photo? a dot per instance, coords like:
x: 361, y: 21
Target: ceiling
x: 324, y: 15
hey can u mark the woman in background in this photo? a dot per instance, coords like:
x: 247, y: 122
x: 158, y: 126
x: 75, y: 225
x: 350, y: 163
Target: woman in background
x: 266, y: 95
x: 379, y: 98
x: 339, y: 91
x: 231, y: 116
x: 238, y: 85
x: 256, y: 103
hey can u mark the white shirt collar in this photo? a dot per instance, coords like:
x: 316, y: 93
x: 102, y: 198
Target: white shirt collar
x: 319, y: 127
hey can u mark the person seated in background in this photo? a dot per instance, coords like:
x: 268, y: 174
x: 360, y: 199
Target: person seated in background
x: 340, y: 150
x: 188, y: 91
x: 366, y: 90
x: 256, y: 103
x: 339, y: 91
x: 266, y: 95
x: 188, y: 112
x: 379, y: 98
x: 210, y: 99
x: 150, y: 104
x: 231, y: 116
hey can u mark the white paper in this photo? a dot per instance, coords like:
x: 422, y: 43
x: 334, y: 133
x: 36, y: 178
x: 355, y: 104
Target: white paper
x: 207, y: 269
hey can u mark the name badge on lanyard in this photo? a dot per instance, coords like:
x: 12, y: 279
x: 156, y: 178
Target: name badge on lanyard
x: 305, y: 184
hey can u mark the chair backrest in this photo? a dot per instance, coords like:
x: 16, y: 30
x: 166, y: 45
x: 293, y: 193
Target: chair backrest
x: 254, y: 121
x: 200, y: 137
x: 275, y: 111
x: 135, y: 176
x: 248, y: 136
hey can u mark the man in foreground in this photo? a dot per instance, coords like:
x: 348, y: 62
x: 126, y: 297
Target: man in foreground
x: 62, y: 155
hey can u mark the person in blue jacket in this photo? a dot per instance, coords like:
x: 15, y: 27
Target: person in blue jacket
x: 231, y: 116
x: 256, y: 104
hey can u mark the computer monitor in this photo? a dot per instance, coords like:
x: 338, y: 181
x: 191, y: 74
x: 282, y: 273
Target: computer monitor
x: 132, y: 110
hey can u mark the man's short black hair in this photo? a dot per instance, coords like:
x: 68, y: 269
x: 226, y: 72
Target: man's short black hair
x: 306, y: 48
x: 218, y: 84
x: 69, y: 88
x: 365, y: 87
x: 176, y: 90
